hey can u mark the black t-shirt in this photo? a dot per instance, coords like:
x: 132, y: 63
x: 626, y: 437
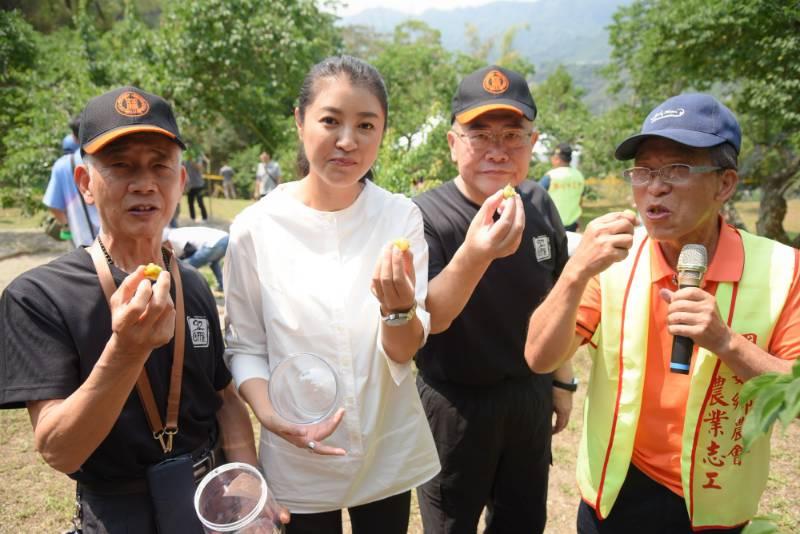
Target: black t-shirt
x: 485, y: 343
x: 55, y: 323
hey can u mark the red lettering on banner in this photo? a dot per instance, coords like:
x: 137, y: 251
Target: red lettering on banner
x: 737, y: 429
x: 735, y: 400
x: 716, y: 391
x: 736, y: 454
x: 715, y: 418
x: 711, y: 457
x: 711, y: 483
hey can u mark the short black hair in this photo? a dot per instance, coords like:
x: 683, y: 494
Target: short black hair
x: 75, y: 125
x: 563, y: 152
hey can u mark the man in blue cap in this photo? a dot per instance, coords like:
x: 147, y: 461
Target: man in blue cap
x: 662, y: 447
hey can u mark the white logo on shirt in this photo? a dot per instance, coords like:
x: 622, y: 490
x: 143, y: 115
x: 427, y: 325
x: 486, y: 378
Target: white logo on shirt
x: 198, y: 330
x: 541, y: 244
x: 667, y: 114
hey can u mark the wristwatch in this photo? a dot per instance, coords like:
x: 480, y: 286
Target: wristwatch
x: 569, y: 386
x: 400, y: 318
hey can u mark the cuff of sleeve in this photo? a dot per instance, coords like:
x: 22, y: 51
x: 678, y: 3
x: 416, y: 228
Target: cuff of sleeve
x: 398, y: 371
x: 246, y: 366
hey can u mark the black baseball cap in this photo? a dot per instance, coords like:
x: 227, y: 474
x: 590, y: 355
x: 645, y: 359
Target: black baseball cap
x: 492, y: 88
x: 124, y: 111
x: 694, y: 119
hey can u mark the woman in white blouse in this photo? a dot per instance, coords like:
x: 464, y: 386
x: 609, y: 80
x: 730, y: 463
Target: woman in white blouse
x: 311, y: 268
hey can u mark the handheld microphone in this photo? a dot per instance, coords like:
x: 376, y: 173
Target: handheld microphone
x: 692, y: 265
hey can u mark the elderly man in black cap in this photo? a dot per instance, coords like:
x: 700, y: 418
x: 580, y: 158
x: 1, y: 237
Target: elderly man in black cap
x: 496, y: 247
x: 123, y: 377
x: 677, y: 318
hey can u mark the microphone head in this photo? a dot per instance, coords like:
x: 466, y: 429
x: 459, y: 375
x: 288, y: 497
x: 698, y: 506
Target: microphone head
x: 693, y: 258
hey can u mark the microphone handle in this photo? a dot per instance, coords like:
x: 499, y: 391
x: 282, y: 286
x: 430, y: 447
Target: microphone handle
x: 682, y: 348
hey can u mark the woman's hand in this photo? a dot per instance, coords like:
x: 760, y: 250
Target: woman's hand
x: 394, y: 279
x: 308, y: 436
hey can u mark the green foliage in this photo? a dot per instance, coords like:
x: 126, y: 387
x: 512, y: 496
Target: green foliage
x: 244, y: 163
x: 776, y: 397
x: 429, y: 158
x: 420, y: 78
x: 232, y: 70
x: 243, y: 61
x: 51, y: 92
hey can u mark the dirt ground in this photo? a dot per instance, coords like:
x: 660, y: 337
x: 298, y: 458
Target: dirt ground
x: 37, y: 499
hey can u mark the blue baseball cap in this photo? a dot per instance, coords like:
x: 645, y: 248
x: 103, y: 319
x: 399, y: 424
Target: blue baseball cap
x: 694, y: 119
x: 69, y: 144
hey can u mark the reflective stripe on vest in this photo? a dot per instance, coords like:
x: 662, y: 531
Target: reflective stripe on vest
x: 566, y: 188
x: 721, y: 485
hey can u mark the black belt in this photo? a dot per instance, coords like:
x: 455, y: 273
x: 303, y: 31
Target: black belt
x: 206, y: 457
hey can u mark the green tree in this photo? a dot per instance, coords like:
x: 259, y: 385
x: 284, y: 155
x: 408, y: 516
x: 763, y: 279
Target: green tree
x: 420, y: 78
x: 747, y: 52
x: 775, y: 397
x: 562, y: 116
x: 243, y: 61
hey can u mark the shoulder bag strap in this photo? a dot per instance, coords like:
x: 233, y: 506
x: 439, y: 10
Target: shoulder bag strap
x: 163, y: 433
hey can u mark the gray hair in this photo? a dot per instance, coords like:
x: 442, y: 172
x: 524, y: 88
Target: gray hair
x: 724, y: 156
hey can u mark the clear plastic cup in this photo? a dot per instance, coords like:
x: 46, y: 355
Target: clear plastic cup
x: 304, y: 389
x: 234, y: 498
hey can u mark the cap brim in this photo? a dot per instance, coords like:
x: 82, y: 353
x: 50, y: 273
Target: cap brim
x: 100, y: 141
x: 627, y: 149
x: 471, y: 114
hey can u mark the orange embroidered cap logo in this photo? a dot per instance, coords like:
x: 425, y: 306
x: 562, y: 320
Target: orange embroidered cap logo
x: 495, y: 82
x: 131, y: 104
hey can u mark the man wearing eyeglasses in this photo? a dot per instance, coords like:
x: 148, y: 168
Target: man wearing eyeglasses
x: 662, y: 451
x: 493, y: 258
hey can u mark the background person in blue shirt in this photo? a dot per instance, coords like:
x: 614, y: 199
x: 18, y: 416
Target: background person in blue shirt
x: 62, y: 197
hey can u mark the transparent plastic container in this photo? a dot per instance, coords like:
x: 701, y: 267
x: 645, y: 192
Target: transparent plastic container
x: 304, y: 389
x: 234, y: 497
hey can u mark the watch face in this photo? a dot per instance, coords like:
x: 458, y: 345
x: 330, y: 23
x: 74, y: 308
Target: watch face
x: 397, y: 319
x: 400, y: 318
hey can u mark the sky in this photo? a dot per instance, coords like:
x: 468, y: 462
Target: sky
x: 408, y: 6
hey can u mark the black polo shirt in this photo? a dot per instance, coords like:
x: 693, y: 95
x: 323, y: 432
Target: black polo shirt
x: 55, y: 323
x: 485, y: 344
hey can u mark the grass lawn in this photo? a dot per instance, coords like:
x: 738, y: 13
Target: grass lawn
x: 37, y: 499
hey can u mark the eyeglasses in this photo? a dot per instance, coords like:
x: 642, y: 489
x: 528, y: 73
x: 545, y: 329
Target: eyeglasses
x: 480, y: 140
x: 675, y: 174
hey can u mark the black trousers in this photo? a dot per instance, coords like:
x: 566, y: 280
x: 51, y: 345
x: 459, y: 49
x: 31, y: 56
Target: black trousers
x: 196, y: 193
x: 494, y: 447
x: 643, y: 505
x: 387, y: 516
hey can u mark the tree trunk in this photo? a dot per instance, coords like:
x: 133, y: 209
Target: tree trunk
x: 772, y: 209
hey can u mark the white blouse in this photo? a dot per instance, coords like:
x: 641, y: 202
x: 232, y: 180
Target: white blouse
x: 298, y: 280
